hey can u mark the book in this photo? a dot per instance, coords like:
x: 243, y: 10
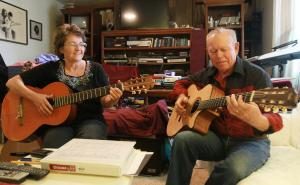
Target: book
x: 176, y: 60
x: 150, y: 60
x: 139, y: 43
x: 97, y: 157
x: 115, y: 60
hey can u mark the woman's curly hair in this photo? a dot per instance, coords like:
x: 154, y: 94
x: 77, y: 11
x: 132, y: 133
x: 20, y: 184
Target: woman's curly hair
x: 61, y: 34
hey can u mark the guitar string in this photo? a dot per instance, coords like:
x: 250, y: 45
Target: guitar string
x: 72, y: 98
x: 221, y: 101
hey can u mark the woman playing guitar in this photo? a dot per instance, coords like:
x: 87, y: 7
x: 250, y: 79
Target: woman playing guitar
x: 73, y: 72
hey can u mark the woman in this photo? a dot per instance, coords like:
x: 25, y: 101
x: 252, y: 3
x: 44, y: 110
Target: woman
x: 78, y: 75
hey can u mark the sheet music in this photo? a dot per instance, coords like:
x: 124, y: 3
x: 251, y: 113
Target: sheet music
x: 136, y: 162
x: 98, y: 157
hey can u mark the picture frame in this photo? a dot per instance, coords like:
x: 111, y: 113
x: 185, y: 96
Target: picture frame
x: 81, y: 21
x: 36, y: 30
x: 13, y: 23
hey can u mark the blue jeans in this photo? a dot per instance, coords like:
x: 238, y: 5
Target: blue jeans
x: 238, y: 157
x: 56, y: 136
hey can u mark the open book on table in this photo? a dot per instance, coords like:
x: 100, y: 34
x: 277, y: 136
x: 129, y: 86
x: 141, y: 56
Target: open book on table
x: 97, y: 157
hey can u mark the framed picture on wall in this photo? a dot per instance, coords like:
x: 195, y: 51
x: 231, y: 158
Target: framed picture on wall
x: 81, y: 21
x: 36, y: 30
x: 13, y: 23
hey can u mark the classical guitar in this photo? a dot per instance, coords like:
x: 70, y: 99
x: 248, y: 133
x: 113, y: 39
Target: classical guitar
x: 202, y: 105
x: 20, y: 118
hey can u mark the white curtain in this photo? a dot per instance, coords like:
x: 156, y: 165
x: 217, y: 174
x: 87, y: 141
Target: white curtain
x: 286, y: 28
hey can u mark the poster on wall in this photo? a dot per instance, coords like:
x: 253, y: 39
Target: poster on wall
x: 13, y: 23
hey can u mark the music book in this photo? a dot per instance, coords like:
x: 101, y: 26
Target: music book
x: 97, y: 157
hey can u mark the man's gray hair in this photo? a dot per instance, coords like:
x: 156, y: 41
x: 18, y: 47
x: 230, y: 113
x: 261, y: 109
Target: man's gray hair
x: 218, y: 30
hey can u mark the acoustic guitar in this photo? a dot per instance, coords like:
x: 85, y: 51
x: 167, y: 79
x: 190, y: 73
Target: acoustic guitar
x: 202, y: 106
x: 20, y: 117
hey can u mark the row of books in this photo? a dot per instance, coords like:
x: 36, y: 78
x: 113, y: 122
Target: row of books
x: 145, y: 60
x: 171, y: 42
x: 148, y: 42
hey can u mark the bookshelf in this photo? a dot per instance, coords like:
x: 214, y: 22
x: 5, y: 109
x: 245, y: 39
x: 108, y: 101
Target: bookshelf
x: 228, y: 14
x: 155, y: 50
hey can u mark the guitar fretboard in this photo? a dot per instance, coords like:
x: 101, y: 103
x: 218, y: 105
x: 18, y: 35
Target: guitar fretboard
x: 83, y: 95
x: 221, y: 101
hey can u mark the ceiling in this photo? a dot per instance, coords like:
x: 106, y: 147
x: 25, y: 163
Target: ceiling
x: 86, y: 2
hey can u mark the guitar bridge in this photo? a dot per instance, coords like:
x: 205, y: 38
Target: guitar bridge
x: 20, y: 114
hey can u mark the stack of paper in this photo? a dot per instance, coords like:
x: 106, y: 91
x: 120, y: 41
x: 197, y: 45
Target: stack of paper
x: 97, y: 157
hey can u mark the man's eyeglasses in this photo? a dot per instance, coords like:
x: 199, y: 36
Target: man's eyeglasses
x: 75, y: 45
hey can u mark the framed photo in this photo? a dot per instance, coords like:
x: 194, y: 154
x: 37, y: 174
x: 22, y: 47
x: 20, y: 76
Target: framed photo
x: 13, y: 23
x: 36, y: 30
x: 81, y: 21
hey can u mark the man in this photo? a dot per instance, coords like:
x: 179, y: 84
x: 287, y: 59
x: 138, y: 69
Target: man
x: 237, y: 138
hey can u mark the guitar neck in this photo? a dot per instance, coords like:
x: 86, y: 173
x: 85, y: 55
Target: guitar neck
x: 221, y: 101
x: 83, y: 95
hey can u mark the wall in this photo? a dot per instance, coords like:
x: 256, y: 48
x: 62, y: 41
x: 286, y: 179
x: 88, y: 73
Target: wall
x: 45, y: 12
x: 266, y: 7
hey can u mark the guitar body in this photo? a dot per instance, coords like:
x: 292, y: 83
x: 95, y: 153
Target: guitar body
x: 198, y: 120
x: 20, y: 117
x: 202, y: 105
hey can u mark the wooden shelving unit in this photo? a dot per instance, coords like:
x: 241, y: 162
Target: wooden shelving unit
x: 220, y: 11
x: 185, y: 43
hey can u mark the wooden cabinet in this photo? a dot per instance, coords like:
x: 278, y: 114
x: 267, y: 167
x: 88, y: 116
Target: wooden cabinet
x: 155, y: 50
x: 92, y: 20
x: 228, y: 14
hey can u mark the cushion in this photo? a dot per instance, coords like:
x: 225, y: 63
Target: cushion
x: 295, y: 127
x: 282, y: 137
x: 281, y: 169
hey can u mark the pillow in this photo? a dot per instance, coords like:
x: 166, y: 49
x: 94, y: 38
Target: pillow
x: 282, y: 137
x: 295, y: 127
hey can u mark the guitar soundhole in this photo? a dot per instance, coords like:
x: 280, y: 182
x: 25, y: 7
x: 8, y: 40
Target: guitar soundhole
x: 51, y: 101
x: 195, y: 106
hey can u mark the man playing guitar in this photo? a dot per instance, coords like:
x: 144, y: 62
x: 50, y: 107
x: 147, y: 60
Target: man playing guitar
x: 237, y: 138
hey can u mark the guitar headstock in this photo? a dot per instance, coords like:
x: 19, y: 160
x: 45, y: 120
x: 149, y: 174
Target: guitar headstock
x: 276, y: 99
x: 139, y: 85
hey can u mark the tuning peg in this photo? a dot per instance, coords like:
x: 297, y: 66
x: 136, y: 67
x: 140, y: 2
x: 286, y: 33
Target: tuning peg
x: 284, y: 109
x: 267, y: 109
x: 275, y: 109
x: 139, y: 91
x: 145, y: 91
x: 133, y: 92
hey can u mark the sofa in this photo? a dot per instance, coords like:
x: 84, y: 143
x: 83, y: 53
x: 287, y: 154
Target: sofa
x: 283, y: 167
